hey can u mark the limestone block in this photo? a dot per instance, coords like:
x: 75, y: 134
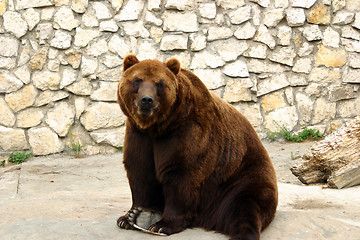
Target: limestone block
x: 281, y: 3
x: 312, y: 32
x: 314, y: 89
x: 343, y: 17
x: 9, y: 46
x: 12, y: 139
x: 216, y: 33
x: 236, y: 69
x: 331, y: 38
x: 44, y: 32
x: 106, y: 92
x: 258, y: 50
x: 154, y: 5
x: 305, y: 107
x: 273, y: 101
x: 116, y: 4
x: 74, y: 58
x: 197, y: 41
x: 212, y: 78
x: 82, y: 87
x: 251, y: 111
x: 295, y: 16
x: 356, y: 23
x: 207, y: 10
x: 283, y: 117
x: 65, y: 19
x: 325, y: 75
x: 38, y: 60
x: 22, y: 98
x: 245, y: 31
x: 114, y: 137
x: 205, y: 59
x: 31, y: 17
x: 119, y: 46
x: 9, y: 83
x: 88, y: 66
x: 130, y: 11
x: 354, y: 60
x: 240, y: 15
x: 272, y: 84
x: 174, y: 42
x: 323, y: 111
x: 97, y: 48
x: 348, y: 108
x: 302, y: 3
x: 330, y: 58
x: 7, y: 117
x: 353, y: 5
x: 177, y: 4
x: 319, y: 14
x: 284, y: 55
x: 69, y: 76
x: 111, y: 60
x: 238, y: 89
x: 47, y: 13
x: 273, y: 17
x: 62, y: 40
x: 303, y: 65
x: 263, y: 3
x: 46, y: 80
x: 60, y: 118
x: 113, y: 75
x: 229, y: 49
x: 102, y: 115
x: 43, y: 141
x: 135, y: 29
x: 80, y: 104
x: 263, y: 35
x: 49, y: 97
x: 284, y: 35
x: 305, y: 49
x: 184, y: 22
x: 261, y: 66
x: 15, y: 24
x: 152, y: 19
x: 102, y: 11
x: 7, y: 63
x: 29, y: 117
x: 84, y: 36
x: 79, y: 6
x: 350, y: 45
x: 338, y: 5
x: 230, y: 4
x: 340, y: 92
x: 350, y: 32
x: 148, y: 50
x: 89, y: 19
x: 351, y: 75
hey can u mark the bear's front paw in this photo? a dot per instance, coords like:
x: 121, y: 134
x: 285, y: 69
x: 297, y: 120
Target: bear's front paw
x: 129, y: 219
x: 163, y: 228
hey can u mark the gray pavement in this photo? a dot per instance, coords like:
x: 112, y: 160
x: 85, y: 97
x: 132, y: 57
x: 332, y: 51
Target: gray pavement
x: 62, y: 197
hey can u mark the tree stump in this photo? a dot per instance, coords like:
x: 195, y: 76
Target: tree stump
x: 335, y: 159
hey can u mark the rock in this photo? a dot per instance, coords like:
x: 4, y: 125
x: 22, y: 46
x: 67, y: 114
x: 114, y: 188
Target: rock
x: 350, y: 32
x: 197, y: 42
x: 236, y: 69
x: 108, y: 26
x: 319, y: 14
x: 154, y: 5
x: 102, y: 11
x: 102, y: 115
x: 111, y: 61
x: 8, y: 46
x: 80, y: 104
x: 15, y: 24
x: 174, y: 42
x: 31, y: 17
x: 184, y: 22
x: 9, y: 83
x: 251, y: 111
x: 116, y: 4
x: 46, y: 80
x: 54, y: 65
x: 314, y: 89
x: 201, y: 59
x: 47, y: 13
x: 74, y: 58
x: 265, y: 37
x: 65, y: 19
x: 284, y: 55
x: 130, y: 11
x: 305, y: 107
x: 97, y: 48
x: 60, y: 118
x: 2, y: 7
x: 82, y: 87
x: 7, y: 117
x: 281, y: 3
x: 331, y: 38
x: 283, y: 117
x: 356, y: 23
x: 240, y: 15
x: 246, y: 31
x: 323, y: 111
x: 49, y: 97
x: 79, y: 6
x: 7, y: 63
x: 30, y: 117
x: 272, y: 84
x: 273, y: 17
x: 338, y: 5
x: 343, y: 17
x: 24, y: 4
x: 106, y: 92
x: 216, y: 33
x: 88, y: 66
x: 207, y: 10
x: 136, y: 29
x: 12, y: 139
x: 354, y: 60
x: 238, y: 89
x: 22, y: 98
x: 84, y: 36
x: 89, y: 20
x: 326, y: 75
x: 353, y: 5
x: 69, y: 76
x: 119, y: 46
x: 302, y: 3
x: 229, y: 49
x: 303, y: 65
x: 284, y: 35
x: 305, y: 49
x: 312, y: 32
x: 273, y: 101
x: 348, y: 108
x: 38, y: 60
x: 114, y: 137
x: 62, y: 40
x: 212, y: 78
x: 340, y: 92
x: 259, y: 66
x: 44, y: 32
x: 350, y: 45
x: 43, y: 141
x: 258, y: 50
x: 263, y: 3
x: 295, y: 17
x: 330, y: 58
x: 230, y: 4
x: 351, y: 75
x: 297, y: 80
x: 152, y: 19
x: 176, y: 4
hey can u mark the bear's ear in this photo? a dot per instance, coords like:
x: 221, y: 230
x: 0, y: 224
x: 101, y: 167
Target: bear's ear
x: 129, y: 61
x: 174, y: 65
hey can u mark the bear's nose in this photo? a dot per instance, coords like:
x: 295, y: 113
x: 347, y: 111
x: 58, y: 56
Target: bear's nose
x: 147, y: 100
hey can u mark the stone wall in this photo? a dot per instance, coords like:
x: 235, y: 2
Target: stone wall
x: 280, y: 62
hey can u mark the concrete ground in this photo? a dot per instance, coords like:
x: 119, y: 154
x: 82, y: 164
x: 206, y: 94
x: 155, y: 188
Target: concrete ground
x: 62, y: 197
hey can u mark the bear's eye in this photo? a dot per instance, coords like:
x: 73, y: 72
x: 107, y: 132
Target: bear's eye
x: 136, y: 83
x: 160, y: 86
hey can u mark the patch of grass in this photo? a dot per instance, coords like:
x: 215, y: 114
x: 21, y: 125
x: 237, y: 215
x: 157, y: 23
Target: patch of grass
x: 75, y: 146
x: 2, y: 164
x: 120, y: 148
x: 305, y: 134
x: 19, y: 157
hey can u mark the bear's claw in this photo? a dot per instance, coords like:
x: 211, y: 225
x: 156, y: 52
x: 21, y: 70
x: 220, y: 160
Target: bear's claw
x: 129, y: 219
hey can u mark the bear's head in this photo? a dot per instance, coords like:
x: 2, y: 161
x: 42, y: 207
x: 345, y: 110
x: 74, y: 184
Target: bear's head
x: 148, y: 90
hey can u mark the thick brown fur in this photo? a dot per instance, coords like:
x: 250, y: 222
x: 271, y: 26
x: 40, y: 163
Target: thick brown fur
x: 192, y: 156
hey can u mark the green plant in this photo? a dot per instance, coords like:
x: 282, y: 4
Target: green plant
x: 120, y: 148
x: 75, y: 146
x: 2, y: 164
x: 19, y: 157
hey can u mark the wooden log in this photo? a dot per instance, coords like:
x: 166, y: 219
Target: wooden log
x: 335, y: 159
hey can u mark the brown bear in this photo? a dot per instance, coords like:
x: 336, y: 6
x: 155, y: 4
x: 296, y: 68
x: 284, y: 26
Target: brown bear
x: 191, y: 156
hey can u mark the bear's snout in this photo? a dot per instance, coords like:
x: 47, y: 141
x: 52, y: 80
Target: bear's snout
x: 147, y: 101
